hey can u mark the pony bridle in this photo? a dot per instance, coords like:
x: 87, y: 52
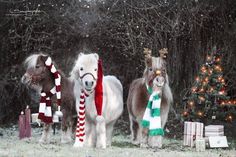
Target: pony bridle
x: 34, y: 79
x: 159, y: 73
x: 81, y: 81
x: 81, y: 77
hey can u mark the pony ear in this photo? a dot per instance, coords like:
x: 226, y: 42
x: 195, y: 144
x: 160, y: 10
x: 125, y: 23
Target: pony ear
x: 148, y: 57
x: 163, y: 53
x: 80, y: 54
x: 96, y: 56
x: 43, y: 58
x: 148, y: 62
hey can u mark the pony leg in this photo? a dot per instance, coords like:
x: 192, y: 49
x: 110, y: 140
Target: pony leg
x: 69, y: 132
x: 90, y: 134
x: 134, y: 128
x: 44, y: 138
x: 144, y: 137
x: 165, y: 107
x: 65, y: 128
x: 155, y: 141
x: 109, y: 131
x: 100, y: 132
x: 64, y: 134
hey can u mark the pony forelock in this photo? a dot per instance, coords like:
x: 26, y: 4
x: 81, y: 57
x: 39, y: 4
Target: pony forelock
x: 82, y: 59
x: 31, y: 61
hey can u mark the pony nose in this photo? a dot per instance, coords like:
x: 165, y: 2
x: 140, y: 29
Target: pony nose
x: 25, y: 78
x: 160, y: 79
x: 89, y: 83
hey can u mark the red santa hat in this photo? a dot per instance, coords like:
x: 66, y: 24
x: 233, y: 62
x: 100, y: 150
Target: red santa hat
x: 99, y: 92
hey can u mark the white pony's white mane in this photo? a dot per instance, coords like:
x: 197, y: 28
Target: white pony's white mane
x: 31, y: 61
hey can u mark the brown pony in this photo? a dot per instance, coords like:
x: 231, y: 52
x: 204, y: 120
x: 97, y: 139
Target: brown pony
x: 38, y: 77
x: 138, y: 97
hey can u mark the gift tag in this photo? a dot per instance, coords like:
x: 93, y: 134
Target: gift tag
x: 218, y: 141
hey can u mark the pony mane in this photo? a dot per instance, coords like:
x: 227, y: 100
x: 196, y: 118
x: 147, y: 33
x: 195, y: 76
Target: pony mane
x: 166, y: 91
x: 31, y: 61
x: 158, y: 61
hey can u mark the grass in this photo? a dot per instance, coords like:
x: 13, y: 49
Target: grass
x: 11, y: 146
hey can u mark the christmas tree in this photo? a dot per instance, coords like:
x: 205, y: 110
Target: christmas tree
x: 208, y: 98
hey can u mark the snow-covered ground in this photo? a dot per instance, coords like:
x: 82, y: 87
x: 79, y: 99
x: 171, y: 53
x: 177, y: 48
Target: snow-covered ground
x: 11, y: 146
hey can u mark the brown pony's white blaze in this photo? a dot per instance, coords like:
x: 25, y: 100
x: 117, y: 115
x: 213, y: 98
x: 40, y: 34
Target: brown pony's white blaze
x: 156, y: 78
x: 54, y: 87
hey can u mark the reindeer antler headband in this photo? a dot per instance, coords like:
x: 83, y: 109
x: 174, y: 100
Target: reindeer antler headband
x: 147, y: 52
x: 163, y: 53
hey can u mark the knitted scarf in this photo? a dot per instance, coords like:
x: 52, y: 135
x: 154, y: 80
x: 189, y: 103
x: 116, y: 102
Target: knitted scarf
x: 152, y: 119
x: 80, y: 130
x: 45, y: 110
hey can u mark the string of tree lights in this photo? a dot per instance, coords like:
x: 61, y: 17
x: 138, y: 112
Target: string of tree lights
x: 208, y: 98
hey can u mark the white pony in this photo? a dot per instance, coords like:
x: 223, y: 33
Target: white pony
x: 98, y: 129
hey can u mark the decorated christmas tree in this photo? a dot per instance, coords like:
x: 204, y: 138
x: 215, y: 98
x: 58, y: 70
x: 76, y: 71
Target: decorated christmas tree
x: 207, y: 99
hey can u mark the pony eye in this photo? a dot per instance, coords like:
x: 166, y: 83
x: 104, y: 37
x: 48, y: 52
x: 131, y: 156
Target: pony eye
x: 37, y: 66
x: 150, y: 69
x: 95, y: 69
x: 81, y: 69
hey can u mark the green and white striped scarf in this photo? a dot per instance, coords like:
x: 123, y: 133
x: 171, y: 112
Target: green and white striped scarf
x: 152, y: 119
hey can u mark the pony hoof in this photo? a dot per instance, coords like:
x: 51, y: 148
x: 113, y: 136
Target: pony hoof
x: 101, y: 147
x: 135, y: 143
x: 66, y: 140
x: 143, y: 145
x: 43, y: 141
x: 78, y: 145
x: 156, y: 147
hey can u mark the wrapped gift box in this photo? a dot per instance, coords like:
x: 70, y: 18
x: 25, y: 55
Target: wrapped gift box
x: 214, y: 130
x: 218, y: 142
x: 200, y: 145
x: 192, y: 131
x: 208, y: 134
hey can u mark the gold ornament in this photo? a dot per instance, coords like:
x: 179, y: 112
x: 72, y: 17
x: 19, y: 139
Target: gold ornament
x: 158, y: 72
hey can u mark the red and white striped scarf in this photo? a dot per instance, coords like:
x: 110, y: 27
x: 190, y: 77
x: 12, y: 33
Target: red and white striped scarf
x: 45, y: 110
x: 80, y: 129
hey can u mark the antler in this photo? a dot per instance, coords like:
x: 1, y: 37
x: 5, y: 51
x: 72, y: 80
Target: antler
x: 148, y: 56
x: 163, y: 53
x: 147, y: 52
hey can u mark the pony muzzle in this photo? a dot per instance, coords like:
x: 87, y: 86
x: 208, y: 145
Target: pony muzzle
x: 26, y: 79
x: 88, y: 81
x: 159, y: 81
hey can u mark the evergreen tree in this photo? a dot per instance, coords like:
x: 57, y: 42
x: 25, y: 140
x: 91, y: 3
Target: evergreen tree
x: 207, y: 98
